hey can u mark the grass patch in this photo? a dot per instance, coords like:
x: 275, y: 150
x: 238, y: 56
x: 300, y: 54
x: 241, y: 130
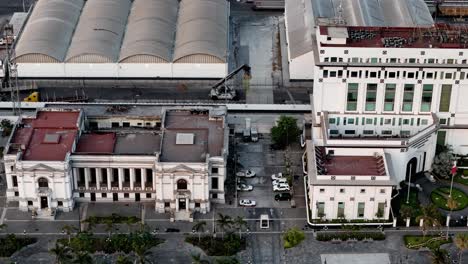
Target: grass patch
x: 230, y: 245
x: 440, y: 195
x: 459, y: 179
x: 431, y: 242
x: 115, y: 243
x: 11, y: 243
x: 114, y: 218
x: 343, y: 236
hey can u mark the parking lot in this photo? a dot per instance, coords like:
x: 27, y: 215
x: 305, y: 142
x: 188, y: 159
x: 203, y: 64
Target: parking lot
x: 258, y: 157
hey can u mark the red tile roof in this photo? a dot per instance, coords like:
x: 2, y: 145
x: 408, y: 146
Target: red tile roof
x: 98, y: 143
x: 353, y: 166
x: 48, y: 137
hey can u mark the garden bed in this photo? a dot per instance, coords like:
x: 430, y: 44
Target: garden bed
x: 230, y: 245
x: 431, y: 242
x: 114, y: 218
x: 461, y: 180
x: 11, y: 243
x: 440, y: 195
x: 343, y: 236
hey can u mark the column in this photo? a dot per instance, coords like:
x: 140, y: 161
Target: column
x: 132, y: 178
x: 120, y: 179
x: 98, y: 178
x: 153, y: 178
x: 143, y: 178
x: 109, y: 171
x: 75, y: 179
x: 86, y: 175
x: 187, y: 205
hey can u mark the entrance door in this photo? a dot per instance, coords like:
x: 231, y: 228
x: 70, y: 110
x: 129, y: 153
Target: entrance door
x: 44, y: 203
x: 137, y: 197
x: 93, y: 197
x: 115, y: 197
x: 182, y: 204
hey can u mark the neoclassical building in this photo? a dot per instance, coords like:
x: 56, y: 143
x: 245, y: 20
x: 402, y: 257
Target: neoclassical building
x: 174, y: 157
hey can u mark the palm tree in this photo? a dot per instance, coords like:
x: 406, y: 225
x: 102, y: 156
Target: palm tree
x: 82, y: 257
x: 439, y: 256
x: 122, y: 259
x: 68, y: 229
x: 199, y: 228
x: 197, y: 259
x: 430, y: 216
x: 140, y: 249
x: 461, y: 241
x: 62, y: 253
x: 224, y: 222
x: 239, y: 222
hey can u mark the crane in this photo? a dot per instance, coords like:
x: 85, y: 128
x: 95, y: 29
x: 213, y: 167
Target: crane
x: 221, y: 90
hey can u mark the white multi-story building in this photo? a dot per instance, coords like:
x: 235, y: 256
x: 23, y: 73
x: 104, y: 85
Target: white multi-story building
x: 175, y: 158
x: 397, y: 85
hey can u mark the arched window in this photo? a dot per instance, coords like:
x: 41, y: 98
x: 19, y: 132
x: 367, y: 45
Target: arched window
x: 43, y: 182
x: 181, y: 184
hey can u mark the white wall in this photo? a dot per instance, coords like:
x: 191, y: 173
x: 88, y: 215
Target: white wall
x: 41, y: 69
x: 145, y: 70
x: 91, y: 70
x: 195, y: 70
x: 302, y: 67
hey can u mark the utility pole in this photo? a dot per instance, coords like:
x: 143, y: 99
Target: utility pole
x: 12, y: 71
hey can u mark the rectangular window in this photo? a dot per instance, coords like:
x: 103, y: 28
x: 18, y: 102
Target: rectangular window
x: 426, y: 98
x: 408, y: 95
x: 30, y: 203
x: 360, y: 209
x: 214, y: 170
x: 374, y: 60
x: 363, y: 190
x: 148, y: 195
x: 331, y: 120
x: 332, y: 74
x: 320, y: 209
x: 429, y: 75
x: 325, y: 74
x: 441, y: 137
x: 371, y: 96
x: 322, y: 190
x: 15, y: 181
x: 382, y: 190
x: 380, y: 210
x: 389, y: 100
x: 126, y: 195
x: 350, y: 132
x: 350, y: 121
x: 369, y: 121
x: 386, y: 132
x: 115, y: 124
x: 405, y: 133
x: 341, y: 208
x: 391, y: 75
x: 351, y: 104
x: 354, y: 74
x: 334, y: 131
x: 445, y: 98
x: 167, y: 204
x: 126, y: 124
x: 368, y: 132
x: 448, y: 75
x: 342, y: 190
x: 214, y: 183
x: 355, y: 60
x: 149, y: 175
x: 104, y: 175
x: 104, y: 195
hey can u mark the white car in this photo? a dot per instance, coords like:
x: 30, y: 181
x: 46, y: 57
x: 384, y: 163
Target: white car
x: 244, y: 187
x: 246, y: 173
x: 247, y: 202
x: 280, y: 181
x: 277, y: 177
x: 281, y: 188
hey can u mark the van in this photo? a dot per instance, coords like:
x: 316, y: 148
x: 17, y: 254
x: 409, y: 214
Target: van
x: 264, y: 221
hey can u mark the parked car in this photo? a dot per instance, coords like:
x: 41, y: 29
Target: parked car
x: 244, y: 187
x: 246, y: 173
x: 281, y: 187
x: 247, y: 203
x: 276, y: 177
x: 283, y: 197
x: 172, y: 230
x: 280, y: 181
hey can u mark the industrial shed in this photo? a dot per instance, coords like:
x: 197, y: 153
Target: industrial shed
x: 125, y: 39
x: 301, y: 17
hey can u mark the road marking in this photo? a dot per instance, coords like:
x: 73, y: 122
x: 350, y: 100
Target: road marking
x: 2, y: 219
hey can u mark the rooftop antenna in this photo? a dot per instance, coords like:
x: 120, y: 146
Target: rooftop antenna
x: 340, y: 17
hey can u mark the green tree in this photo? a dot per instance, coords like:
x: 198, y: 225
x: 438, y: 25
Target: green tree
x: 199, y: 228
x: 285, y: 132
x: 141, y: 250
x: 430, y: 216
x: 461, y: 241
x: 62, y: 253
x: 239, y: 223
x: 443, y: 163
x: 122, y: 259
x: 406, y: 211
x: 293, y: 237
x: 224, y: 222
x: 68, y: 229
x: 3, y: 226
x: 439, y: 256
x: 197, y: 259
x: 82, y: 257
x: 6, y: 126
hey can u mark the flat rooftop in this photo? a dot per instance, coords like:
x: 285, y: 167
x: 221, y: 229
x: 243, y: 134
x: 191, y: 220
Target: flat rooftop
x: 438, y: 36
x: 353, y: 166
x: 208, y: 136
x: 121, y: 143
x: 48, y: 137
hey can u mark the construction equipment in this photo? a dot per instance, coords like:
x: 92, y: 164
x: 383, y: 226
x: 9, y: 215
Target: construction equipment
x: 222, y: 91
x: 33, y: 97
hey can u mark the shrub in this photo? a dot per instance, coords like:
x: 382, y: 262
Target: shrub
x: 285, y: 132
x: 230, y: 245
x: 11, y: 243
x: 293, y: 237
x: 343, y: 236
x: 114, y: 218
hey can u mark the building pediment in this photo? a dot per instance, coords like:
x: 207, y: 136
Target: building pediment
x: 40, y: 167
x: 180, y: 169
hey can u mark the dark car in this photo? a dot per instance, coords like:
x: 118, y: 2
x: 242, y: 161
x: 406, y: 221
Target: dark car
x: 283, y: 197
x: 172, y: 230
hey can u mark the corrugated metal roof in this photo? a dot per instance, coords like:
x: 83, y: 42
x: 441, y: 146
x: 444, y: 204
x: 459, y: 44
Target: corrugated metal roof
x: 50, y: 28
x: 100, y: 30
x: 151, y: 29
x: 202, y: 28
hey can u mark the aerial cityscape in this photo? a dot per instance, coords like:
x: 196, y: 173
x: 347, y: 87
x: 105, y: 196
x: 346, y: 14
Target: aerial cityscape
x: 234, y: 131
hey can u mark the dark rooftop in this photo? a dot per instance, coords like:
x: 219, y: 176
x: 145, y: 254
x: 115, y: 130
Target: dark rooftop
x: 119, y: 143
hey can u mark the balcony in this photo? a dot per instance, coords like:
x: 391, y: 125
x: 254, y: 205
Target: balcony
x: 370, y: 130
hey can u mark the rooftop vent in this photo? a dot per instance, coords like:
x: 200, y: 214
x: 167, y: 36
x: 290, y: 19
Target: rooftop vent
x: 184, y: 138
x: 50, y: 138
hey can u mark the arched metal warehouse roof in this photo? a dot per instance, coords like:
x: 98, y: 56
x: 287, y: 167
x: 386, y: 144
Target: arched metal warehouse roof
x: 48, y: 31
x: 150, y: 31
x: 99, y: 33
x: 202, y: 31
